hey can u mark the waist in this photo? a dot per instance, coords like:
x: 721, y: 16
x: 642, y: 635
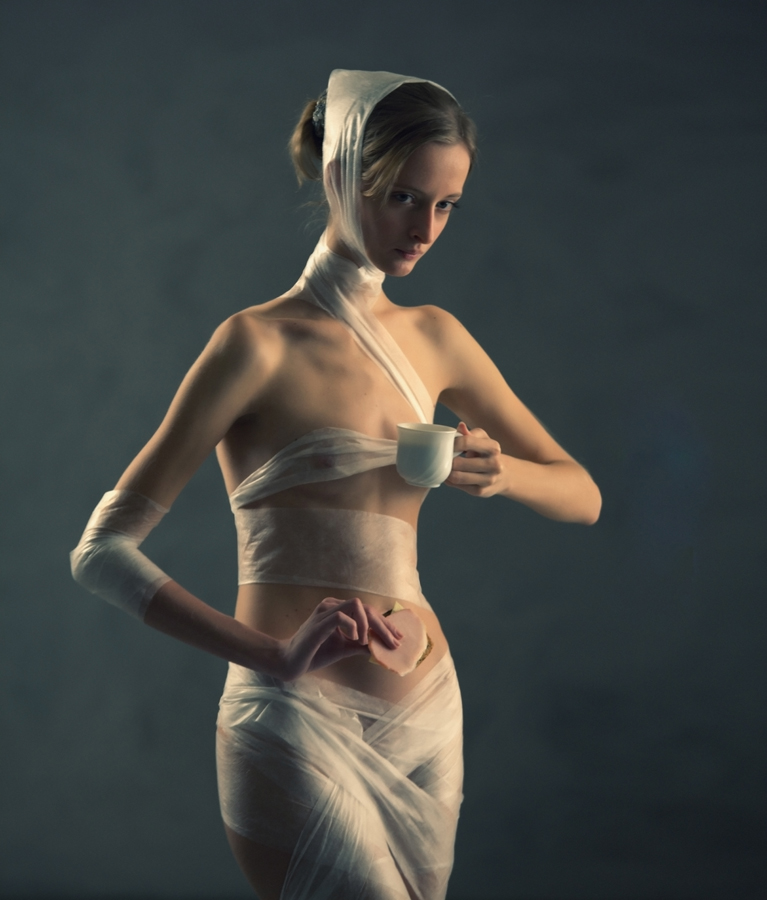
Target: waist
x: 279, y: 610
x: 340, y: 549
x: 245, y: 685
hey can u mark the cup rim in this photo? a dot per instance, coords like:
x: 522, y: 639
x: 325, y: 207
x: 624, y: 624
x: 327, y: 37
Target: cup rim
x: 427, y: 427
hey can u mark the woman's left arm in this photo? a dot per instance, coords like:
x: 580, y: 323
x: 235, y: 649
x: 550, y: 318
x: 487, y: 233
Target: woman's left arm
x: 506, y: 450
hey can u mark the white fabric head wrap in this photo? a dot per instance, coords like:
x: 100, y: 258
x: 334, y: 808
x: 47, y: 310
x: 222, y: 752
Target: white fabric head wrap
x: 342, y: 288
x: 351, y: 98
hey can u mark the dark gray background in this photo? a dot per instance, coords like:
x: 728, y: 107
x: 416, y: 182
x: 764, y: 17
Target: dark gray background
x: 610, y: 256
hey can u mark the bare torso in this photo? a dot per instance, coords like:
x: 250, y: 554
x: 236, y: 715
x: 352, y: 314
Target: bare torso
x: 318, y: 376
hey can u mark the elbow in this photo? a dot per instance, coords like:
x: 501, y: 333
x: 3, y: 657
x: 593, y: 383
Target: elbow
x: 111, y: 567
x: 77, y: 565
x: 592, y: 506
x: 84, y: 566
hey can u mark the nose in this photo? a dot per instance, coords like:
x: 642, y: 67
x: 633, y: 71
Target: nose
x: 422, y: 228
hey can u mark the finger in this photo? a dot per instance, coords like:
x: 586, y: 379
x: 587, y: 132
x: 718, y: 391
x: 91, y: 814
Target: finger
x: 463, y: 433
x: 336, y: 625
x: 481, y: 479
x: 480, y: 446
x: 477, y: 465
x: 332, y: 650
x: 463, y: 438
x: 386, y: 630
x: 477, y: 485
x: 345, y: 625
x: 329, y: 603
x: 385, y: 621
x: 356, y: 611
x: 476, y: 445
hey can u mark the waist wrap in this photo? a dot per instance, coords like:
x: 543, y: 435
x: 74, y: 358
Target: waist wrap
x: 335, y: 548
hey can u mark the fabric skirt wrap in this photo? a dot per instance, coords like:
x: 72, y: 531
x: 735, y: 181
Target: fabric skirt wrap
x: 363, y: 793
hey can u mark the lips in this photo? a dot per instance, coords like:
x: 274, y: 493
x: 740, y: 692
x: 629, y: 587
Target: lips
x: 410, y: 254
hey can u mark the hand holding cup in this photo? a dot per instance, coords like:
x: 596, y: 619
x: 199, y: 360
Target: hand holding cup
x: 425, y: 453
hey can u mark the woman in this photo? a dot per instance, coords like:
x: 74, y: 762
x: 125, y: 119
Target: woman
x: 337, y: 778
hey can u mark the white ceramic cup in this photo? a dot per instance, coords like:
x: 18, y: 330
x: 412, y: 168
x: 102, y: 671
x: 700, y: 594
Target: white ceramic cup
x: 425, y: 453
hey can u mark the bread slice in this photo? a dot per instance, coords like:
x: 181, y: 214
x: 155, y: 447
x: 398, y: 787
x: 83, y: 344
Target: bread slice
x: 413, y: 649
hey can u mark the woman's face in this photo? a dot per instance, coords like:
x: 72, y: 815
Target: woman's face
x: 417, y: 209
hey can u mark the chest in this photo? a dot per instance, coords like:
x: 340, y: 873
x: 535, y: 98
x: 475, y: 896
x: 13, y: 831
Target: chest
x: 322, y: 378
x: 327, y: 378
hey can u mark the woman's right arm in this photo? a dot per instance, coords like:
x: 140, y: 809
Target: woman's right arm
x: 224, y: 383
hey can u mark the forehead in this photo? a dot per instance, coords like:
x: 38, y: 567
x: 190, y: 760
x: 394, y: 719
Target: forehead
x: 436, y: 169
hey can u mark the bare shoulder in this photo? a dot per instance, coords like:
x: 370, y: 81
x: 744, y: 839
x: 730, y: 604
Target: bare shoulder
x: 243, y: 330
x: 441, y: 329
x: 250, y: 337
x: 237, y: 337
x: 433, y: 322
x: 223, y: 384
x: 234, y: 367
x: 462, y: 361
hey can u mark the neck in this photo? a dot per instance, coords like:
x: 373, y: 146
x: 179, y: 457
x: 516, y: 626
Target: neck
x: 338, y: 284
x: 336, y: 245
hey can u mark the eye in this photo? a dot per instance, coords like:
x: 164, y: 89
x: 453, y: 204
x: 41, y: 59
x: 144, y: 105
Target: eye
x: 402, y: 197
x: 448, y: 205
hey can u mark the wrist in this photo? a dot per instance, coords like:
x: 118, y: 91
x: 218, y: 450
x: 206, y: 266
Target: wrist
x: 504, y: 485
x: 268, y: 655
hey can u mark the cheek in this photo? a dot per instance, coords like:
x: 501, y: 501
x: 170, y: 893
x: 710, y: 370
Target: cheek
x: 382, y: 229
x: 373, y: 222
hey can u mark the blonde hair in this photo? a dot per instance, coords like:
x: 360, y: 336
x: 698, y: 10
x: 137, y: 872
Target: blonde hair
x: 414, y: 114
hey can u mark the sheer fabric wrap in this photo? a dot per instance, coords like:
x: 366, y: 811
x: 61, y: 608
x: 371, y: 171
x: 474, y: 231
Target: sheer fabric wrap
x: 363, y: 793
x: 107, y: 561
x: 333, y: 548
x: 326, y: 454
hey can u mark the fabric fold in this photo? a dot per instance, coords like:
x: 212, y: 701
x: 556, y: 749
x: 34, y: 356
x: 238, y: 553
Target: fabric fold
x: 325, y: 454
x: 347, y: 292
x: 375, y: 787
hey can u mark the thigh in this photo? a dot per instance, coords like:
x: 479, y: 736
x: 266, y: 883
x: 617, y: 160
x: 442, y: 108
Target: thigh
x: 266, y: 870
x: 299, y: 836
x: 264, y: 867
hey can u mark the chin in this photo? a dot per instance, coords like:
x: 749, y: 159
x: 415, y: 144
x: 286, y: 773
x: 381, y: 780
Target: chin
x: 392, y: 263
x: 398, y: 268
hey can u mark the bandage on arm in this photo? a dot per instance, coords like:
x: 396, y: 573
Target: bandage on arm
x: 107, y: 561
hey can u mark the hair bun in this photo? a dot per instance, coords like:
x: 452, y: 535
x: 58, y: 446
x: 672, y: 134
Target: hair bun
x: 318, y: 116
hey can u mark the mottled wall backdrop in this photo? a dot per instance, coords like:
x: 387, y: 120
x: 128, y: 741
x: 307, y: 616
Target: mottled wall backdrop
x: 610, y: 256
